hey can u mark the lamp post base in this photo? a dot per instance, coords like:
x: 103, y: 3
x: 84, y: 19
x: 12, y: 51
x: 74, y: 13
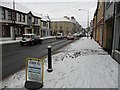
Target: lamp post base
x: 50, y: 70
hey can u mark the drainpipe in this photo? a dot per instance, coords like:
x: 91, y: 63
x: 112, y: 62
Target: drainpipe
x: 103, y: 23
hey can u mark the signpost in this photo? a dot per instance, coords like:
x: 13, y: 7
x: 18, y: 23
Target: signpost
x: 34, y: 73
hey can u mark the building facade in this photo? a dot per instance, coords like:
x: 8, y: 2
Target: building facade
x: 116, y: 39
x: 108, y: 26
x: 46, y: 26
x: 33, y: 24
x: 99, y: 21
x: 65, y: 25
x: 95, y: 25
x: 15, y: 23
x: 111, y: 30
x: 12, y: 19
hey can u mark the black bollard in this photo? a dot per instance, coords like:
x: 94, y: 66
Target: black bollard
x: 49, y: 60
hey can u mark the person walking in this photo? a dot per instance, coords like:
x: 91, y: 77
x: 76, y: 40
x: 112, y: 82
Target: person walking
x: 91, y: 35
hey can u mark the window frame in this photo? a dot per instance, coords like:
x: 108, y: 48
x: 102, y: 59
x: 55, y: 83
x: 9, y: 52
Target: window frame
x: 9, y: 15
x: 3, y: 14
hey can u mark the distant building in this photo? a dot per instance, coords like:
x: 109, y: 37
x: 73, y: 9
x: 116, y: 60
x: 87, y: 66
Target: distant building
x: 65, y: 25
x: 61, y: 25
x: 46, y: 26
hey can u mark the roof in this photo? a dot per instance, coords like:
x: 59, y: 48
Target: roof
x: 19, y: 7
x: 73, y: 21
x: 45, y: 18
x: 59, y: 19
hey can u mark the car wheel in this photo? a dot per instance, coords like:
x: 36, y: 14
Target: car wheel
x: 32, y: 43
x: 21, y: 44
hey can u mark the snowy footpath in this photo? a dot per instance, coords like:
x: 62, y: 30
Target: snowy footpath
x: 81, y: 64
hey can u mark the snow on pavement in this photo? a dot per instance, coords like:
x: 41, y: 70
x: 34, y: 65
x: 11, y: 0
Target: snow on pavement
x: 82, y: 64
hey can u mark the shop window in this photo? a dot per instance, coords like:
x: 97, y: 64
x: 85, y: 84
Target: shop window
x: 119, y: 45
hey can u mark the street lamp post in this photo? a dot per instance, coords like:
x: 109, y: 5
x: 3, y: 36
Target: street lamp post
x: 87, y: 20
x: 13, y: 21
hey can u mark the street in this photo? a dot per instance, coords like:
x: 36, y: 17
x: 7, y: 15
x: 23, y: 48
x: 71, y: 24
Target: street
x: 14, y: 55
x: 77, y: 44
x: 77, y: 65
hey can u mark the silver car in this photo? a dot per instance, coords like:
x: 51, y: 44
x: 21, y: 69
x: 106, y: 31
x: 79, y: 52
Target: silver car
x: 30, y: 39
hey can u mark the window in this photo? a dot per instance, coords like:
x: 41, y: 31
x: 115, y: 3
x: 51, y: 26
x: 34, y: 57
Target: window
x: 9, y: 15
x: 3, y: 14
x: 55, y: 25
x: 36, y: 20
x: 14, y: 16
x: 19, y: 17
x: 61, y: 27
x: 118, y: 7
x: 119, y: 44
x: 44, y: 24
x: 23, y: 17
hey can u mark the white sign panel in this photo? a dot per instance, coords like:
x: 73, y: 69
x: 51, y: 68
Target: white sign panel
x: 34, y: 70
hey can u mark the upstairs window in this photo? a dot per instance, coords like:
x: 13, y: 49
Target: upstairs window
x: 23, y: 17
x: 3, y: 14
x: 44, y: 24
x: 19, y: 17
x: 36, y: 20
x: 9, y: 15
x: 14, y: 16
x: 55, y: 25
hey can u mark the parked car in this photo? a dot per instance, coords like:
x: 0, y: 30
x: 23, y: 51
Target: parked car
x: 70, y: 37
x: 59, y: 36
x: 30, y: 39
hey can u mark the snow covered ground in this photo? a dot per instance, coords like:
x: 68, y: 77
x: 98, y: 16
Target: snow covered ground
x: 82, y: 64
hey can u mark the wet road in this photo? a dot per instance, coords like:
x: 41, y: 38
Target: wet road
x: 14, y: 55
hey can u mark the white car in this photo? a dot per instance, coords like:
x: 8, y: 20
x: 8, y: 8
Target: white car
x: 30, y: 39
x: 59, y: 36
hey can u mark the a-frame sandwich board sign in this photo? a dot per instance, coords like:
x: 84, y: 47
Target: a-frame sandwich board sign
x: 34, y: 73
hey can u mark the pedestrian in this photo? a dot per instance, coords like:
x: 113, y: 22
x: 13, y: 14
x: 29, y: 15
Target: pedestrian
x: 91, y: 35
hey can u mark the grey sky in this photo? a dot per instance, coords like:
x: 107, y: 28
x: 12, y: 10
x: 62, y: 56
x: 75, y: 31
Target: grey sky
x: 63, y: 8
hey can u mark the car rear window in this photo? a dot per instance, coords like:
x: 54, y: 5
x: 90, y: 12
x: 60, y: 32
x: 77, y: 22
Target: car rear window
x: 26, y: 36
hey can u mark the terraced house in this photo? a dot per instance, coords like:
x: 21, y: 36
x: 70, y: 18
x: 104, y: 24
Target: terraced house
x: 16, y: 22
x: 107, y: 27
x: 98, y: 22
x: 116, y: 35
x: 9, y: 20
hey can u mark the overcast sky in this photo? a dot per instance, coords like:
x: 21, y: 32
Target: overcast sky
x: 59, y: 9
